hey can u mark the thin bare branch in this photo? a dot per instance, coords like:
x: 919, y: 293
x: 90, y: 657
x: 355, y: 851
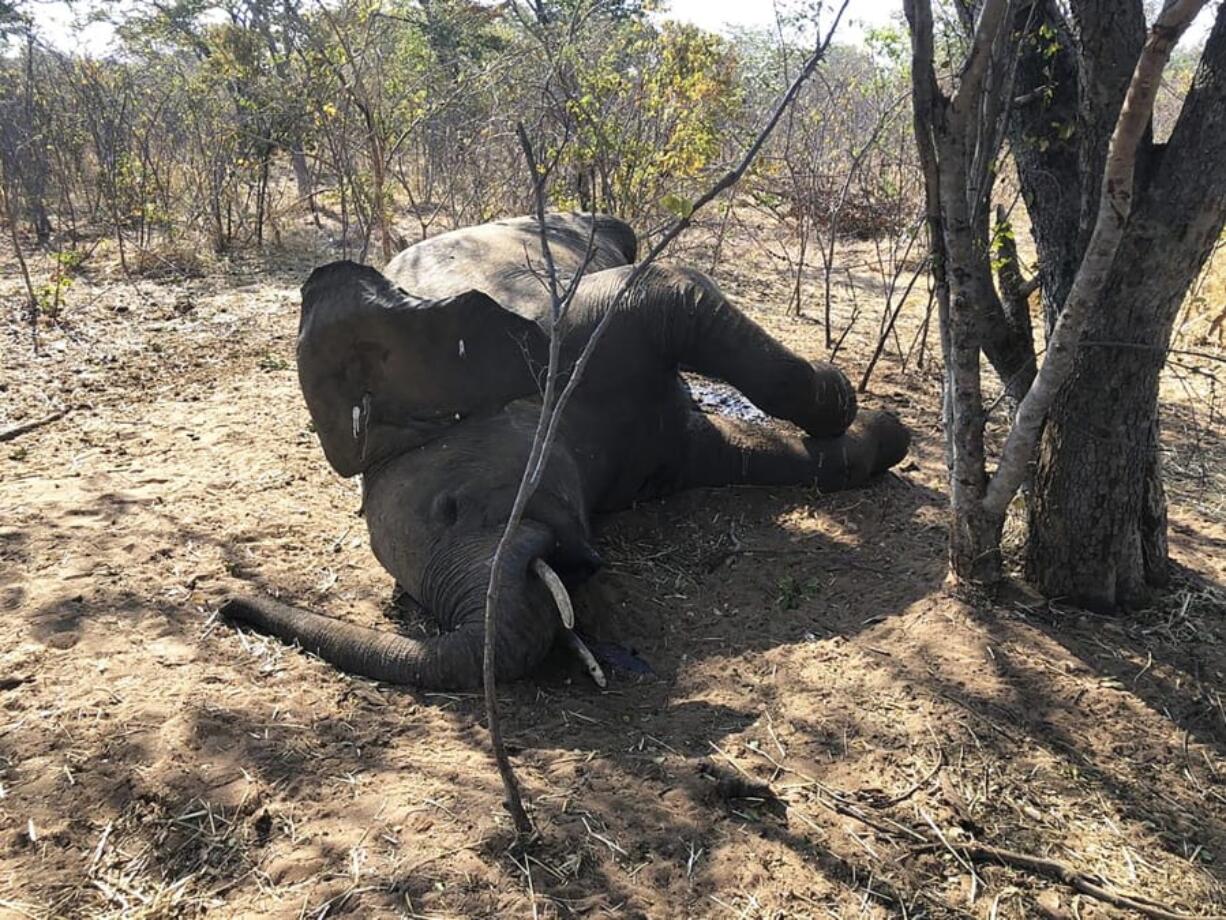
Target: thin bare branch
x: 970, y: 87
x: 552, y: 409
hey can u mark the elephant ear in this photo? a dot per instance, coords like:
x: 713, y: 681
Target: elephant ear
x: 384, y: 372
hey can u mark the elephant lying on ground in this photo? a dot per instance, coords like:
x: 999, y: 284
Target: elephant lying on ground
x: 425, y: 379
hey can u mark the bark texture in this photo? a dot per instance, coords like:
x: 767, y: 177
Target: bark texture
x: 1094, y: 274
x: 1109, y: 35
x: 1098, y: 519
x: 1044, y: 142
x: 956, y: 140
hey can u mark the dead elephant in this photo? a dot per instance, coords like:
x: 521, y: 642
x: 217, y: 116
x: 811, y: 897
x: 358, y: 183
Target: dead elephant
x: 425, y: 380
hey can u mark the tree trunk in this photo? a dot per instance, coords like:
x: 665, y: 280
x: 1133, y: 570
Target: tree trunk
x: 302, y: 175
x: 1089, y: 502
x: 1045, y: 149
x: 1120, y: 250
x: 1109, y: 37
x: 34, y: 168
x: 1098, y: 512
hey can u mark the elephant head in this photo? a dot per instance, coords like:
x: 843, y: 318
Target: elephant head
x: 423, y: 398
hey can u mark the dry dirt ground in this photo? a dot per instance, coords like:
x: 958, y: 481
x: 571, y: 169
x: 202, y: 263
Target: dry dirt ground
x: 155, y: 762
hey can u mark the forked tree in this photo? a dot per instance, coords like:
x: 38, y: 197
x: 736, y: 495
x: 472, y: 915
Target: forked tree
x: 1122, y: 226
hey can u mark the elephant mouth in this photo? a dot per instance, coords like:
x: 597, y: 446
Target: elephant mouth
x: 572, y: 561
x: 374, y: 422
x: 561, y: 598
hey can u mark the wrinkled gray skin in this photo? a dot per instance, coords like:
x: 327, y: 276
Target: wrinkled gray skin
x: 425, y: 380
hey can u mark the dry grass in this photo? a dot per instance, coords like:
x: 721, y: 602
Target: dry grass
x: 1203, y: 321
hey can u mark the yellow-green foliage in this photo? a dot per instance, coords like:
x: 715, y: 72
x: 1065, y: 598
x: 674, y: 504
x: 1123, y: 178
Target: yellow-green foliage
x: 650, y: 113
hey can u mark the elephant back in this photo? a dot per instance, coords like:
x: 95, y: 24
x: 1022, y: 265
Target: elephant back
x: 504, y: 259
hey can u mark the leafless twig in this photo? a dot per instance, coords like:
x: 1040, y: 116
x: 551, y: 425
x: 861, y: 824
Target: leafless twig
x: 8, y: 434
x: 553, y: 406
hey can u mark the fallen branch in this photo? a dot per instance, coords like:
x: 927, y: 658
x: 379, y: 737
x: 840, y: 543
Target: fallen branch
x: 1092, y: 886
x: 1086, y: 883
x: 920, y: 784
x: 8, y: 434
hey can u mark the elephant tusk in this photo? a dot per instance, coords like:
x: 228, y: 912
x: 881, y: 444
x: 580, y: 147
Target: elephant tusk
x: 589, y: 660
x: 561, y: 597
x: 557, y: 589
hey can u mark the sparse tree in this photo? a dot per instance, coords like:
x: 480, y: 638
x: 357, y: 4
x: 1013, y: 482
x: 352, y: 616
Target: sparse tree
x: 1122, y: 226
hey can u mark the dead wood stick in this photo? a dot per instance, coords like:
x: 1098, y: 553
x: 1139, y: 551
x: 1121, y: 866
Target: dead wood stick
x: 835, y: 800
x: 553, y: 404
x: 8, y: 434
x: 1082, y: 882
x: 903, y: 796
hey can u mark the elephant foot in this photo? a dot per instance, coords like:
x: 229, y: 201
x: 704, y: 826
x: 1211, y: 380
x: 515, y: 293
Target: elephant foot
x: 721, y: 451
x: 834, y: 402
x: 889, y: 436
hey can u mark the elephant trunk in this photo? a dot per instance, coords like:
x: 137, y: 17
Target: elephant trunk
x: 454, y: 587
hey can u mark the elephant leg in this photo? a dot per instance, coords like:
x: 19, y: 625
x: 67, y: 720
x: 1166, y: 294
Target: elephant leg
x: 723, y: 451
x: 713, y: 337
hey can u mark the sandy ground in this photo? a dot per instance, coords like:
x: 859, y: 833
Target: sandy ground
x: 154, y: 762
